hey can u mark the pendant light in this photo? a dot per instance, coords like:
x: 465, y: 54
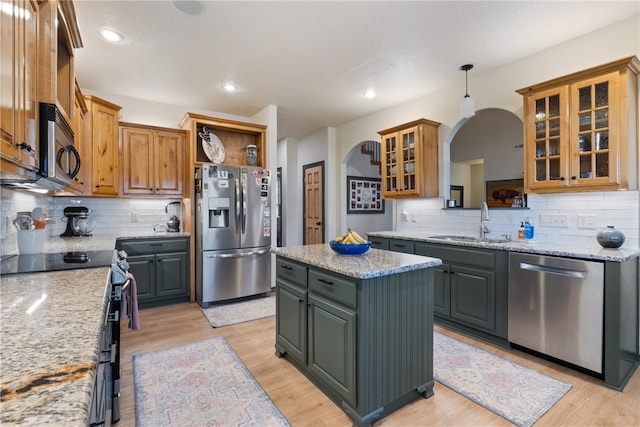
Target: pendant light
x: 467, y: 105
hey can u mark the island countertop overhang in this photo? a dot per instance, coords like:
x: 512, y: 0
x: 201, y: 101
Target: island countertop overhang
x: 373, y: 263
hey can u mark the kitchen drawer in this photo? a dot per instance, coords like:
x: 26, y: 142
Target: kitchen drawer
x: 475, y: 257
x: 379, y: 242
x: 337, y: 288
x: 291, y: 272
x: 153, y: 246
x: 399, y: 245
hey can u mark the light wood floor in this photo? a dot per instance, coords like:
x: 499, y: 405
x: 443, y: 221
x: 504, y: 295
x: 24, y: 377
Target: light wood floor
x: 588, y: 403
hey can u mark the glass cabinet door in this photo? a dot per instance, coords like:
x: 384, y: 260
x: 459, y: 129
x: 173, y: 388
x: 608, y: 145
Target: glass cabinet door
x: 391, y: 163
x: 592, y: 112
x: 548, y: 130
x: 408, y: 169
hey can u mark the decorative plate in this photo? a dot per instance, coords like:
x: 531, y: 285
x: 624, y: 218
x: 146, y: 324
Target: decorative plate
x: 212, y: 146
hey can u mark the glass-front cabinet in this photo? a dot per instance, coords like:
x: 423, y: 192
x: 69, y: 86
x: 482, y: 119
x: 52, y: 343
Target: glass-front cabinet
x: 577, y: 130
x: 410, y: 160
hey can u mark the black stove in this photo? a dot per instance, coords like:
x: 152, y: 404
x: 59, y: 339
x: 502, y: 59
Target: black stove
x: 11, y: 264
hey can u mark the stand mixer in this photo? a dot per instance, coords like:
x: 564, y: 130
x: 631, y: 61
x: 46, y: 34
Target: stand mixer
x: 174, y: 209
x: 78, y: 221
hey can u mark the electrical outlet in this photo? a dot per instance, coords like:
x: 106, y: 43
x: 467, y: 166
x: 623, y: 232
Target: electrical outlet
x: 586, y: 221
x: 554, y: 220
x: 135, y: 216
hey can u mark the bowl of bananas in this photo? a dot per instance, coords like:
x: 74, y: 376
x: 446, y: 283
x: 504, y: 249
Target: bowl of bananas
x: 350, y: 244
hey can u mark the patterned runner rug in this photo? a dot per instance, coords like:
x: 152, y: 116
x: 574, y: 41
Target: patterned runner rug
x: 516, y: 393
x: 239, y: 312
x: 200, y: 384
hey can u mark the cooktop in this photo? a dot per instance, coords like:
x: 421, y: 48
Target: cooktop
x: 11, y: 264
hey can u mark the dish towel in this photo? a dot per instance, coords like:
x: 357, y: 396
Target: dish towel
x: 130, y: 303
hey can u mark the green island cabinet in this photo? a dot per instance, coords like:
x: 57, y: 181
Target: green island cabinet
x: 161, y: 269
x: 366, y: 343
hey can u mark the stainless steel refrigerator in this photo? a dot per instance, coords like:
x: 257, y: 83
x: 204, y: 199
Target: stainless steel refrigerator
x: 233, y: 232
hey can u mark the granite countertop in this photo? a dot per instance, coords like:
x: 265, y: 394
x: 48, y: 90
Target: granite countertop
x: 101, y: 242
x: 373, y: 263
x: 48, y: 357
x: 533, y: 247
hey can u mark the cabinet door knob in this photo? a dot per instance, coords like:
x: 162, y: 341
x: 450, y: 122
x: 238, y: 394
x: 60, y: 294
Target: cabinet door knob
x: 562, y: 178
x: 574, y: 178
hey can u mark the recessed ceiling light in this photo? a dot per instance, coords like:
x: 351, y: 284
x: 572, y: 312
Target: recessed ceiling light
x: 190, y: 7
x: 369, y: 94
x: 112, y: 36
x: 229, y: 87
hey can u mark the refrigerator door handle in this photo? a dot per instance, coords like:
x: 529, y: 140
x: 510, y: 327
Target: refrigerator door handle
x: 244, y: 203
x: 238, y: 201
x: 239, y: 255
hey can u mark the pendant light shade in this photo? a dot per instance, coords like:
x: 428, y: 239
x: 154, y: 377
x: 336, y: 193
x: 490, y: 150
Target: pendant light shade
x: 467, y: 105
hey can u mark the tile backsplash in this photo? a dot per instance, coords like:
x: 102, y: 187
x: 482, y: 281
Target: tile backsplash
x: 112, y: 217
x: 618, y: 208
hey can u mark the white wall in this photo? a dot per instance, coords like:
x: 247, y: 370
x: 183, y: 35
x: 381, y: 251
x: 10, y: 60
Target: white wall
x: 359, y: 164
x: 496, y: 89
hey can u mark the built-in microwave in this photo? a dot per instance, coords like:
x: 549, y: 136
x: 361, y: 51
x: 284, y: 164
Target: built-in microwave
x: 59, y: 159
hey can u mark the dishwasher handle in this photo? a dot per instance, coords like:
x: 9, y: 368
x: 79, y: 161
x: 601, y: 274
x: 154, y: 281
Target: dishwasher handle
x: 553, y: 270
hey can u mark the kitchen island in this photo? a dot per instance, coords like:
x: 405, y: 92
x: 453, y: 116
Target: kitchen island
x: 359, y: 327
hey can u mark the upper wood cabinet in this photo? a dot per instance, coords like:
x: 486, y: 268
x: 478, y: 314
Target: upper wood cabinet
x: 235, y: 137
x: 18, y: 96
x: 152, y: 160
x: 80, y: 183
x: 410, y: 160
x: 101, y: 141
x: 580, y: 131
x: 59, y: 36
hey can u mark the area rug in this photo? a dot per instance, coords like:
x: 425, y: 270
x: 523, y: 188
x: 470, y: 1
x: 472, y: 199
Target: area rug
x: 200, y: 384
x: 239, y: 312
x: 516, y: 393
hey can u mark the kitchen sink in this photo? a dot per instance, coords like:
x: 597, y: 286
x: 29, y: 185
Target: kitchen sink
x: 454, y: 238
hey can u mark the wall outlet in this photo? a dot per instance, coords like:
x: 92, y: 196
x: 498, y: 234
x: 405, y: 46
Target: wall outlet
x: 135, y: 216
x: 586, y: 221
x: 554, y: 220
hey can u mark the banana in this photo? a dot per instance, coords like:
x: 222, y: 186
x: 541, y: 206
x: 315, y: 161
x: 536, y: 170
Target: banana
x: 339, y: 239
x: 356, y: 237
x: 347, y: 240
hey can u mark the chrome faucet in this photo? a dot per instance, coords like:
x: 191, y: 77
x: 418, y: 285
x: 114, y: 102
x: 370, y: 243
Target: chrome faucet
x: 484, y: 216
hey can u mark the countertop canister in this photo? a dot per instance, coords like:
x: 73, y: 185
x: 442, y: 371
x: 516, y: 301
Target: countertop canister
x: 610, y: 237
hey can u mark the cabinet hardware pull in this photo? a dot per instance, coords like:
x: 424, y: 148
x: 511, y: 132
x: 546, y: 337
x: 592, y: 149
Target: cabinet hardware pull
x: 326, y: 282
x: 286, y: 267
x: 574, y: 178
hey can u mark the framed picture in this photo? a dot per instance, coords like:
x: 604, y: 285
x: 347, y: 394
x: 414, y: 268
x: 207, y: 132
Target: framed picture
x: 457, y: 196
x: 505, y: 194
x: 364, y: 195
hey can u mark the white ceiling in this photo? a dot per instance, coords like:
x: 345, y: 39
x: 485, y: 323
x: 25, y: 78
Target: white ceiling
x: 315, y: 59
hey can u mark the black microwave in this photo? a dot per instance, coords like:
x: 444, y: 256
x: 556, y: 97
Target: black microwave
x: 59, y: 159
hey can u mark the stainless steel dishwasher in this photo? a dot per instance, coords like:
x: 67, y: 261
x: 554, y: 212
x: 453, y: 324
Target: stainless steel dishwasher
x: 556, y: 307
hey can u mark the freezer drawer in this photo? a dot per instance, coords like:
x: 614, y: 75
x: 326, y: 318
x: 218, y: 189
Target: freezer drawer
x: 234, y: 273
x: 556, y: 307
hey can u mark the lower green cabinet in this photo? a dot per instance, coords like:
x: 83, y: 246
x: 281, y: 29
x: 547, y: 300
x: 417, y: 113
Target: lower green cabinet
x: 291, y: 324
x: 470, y: 288
x: 161, y: 269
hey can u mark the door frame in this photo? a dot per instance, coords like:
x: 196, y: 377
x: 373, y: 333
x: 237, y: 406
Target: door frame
x: 304, y: 199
